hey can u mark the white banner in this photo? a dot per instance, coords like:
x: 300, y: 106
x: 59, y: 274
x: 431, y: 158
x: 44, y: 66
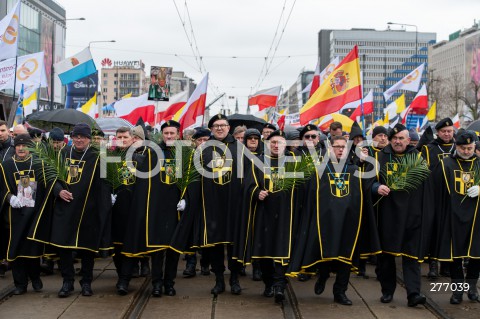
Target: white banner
x: 290, y: 119
x: 9, y: 27
x: 30, y: 72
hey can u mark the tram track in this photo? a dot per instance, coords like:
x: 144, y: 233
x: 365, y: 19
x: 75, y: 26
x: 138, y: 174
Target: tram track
x: 140, y: 300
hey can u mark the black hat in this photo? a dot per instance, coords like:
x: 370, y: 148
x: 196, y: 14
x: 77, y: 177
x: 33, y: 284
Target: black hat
x: 466, y: 137
x: 34, y: 132
x: 413, y: 135
x: 395, y: 130
x: 443, y: 123
x: 276, y: 133
x: 355, y: 131
x: 270, y: 126
x: 309, y: 127
x: 57, y: 134
x: 201, y: 132
x: 477, y: 146
x: 170, y: 123
x: 22, y: 139
x: 379, y: 130
x: 82, y: 129
x: 251, y: 132
x: 293, y: 135
x: 216, y: 118
x: 426, y: 138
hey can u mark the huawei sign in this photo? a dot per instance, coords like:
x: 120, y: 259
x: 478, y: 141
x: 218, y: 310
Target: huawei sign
x: 106, y: 62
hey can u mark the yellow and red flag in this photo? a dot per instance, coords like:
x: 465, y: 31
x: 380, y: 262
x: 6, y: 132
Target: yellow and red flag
x: 342, y: 86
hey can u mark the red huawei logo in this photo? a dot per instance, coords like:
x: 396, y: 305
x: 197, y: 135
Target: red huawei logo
x: 106, y: 62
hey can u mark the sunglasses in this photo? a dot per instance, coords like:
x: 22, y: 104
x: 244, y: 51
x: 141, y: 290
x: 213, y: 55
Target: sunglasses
x: 252, y: 138
x: 310, y: 136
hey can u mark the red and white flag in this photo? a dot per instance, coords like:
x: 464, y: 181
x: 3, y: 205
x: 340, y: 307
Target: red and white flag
x: 167, y: 109
x: 367, y: 106
x: 133, y: 108
x: 192, y: 113
x: 411, y: 82
x: 264, y: 99
x: 420, y: 102
x: 456, y: 121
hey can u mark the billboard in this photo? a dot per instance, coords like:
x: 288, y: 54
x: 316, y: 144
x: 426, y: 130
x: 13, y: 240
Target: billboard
x: 80, y: 91
x: 159, y: 88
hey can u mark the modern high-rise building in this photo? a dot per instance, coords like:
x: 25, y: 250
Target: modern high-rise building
x: 119, y: 78
x: 386, y: 56
x: 454, y: 64
x: 42, y: 28
x: 293, y: 98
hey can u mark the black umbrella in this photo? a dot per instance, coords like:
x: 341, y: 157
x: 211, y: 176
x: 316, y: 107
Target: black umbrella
x: 248, y: 120
x: 65, y: 119
x: 109, y: 125
x: 474, y: 126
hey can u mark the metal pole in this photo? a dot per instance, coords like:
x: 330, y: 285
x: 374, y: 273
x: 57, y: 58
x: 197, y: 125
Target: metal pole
x: 384, y: 75
x: 51, y: 66
x: 13, y: 108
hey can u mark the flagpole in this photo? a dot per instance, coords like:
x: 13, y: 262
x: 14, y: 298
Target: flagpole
x: 13, y: 108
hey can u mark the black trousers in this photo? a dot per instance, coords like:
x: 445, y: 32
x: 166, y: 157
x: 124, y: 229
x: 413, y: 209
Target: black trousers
x: 342, y: 278
x: 24, y: 268
x: 456, y: 270
x: 66, y: 265
x: 387, y: 274
x: 169, y: 259
x: 217, y: 256
x: 123, y: 264
x: 273, y: 274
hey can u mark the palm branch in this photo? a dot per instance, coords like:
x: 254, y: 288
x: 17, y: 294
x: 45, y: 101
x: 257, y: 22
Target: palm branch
x: 55, y: 165
x: 157, y: 137
x: 407, y: 174
x: 115, y: 170
x: 300, y: 171
x: 476, y: 177
x: 188, y: 170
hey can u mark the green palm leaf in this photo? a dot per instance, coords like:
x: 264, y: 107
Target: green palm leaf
x: 55, y: 164
x: 300, y: 172
x: 406, y: 174
x: 187, y: 168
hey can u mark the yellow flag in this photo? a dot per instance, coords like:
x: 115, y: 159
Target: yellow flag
x: 89, y: 107
x: 386, y: 120
x: 126, y: 96
x: 400, y: 103
x: 432, y: 113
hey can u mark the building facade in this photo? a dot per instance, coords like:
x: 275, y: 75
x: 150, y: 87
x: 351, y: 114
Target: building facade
x: 119, y: 78
x: 294, y: 98
x: 454, y: 64
x: 385, y: 56
x: 42, y: 28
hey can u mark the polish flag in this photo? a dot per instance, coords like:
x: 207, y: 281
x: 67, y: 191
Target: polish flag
x: 193, y: 111
x: 264, y: 99
x: 281, y: 122
x: 456, y: 121
x: 167, y: 109
x: 420, y: 102
x: 133, y: 108
x: 367, y: 106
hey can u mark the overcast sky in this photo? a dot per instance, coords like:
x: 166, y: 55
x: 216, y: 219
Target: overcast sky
x: 151, y: 30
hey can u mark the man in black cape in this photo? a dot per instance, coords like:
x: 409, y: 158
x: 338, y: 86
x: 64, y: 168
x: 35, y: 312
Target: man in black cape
x: 404, y: 224
x: 81, y: 212
x: 337, y: 225
x: 455, y: 185
x: 24, y: 188
x: 151, y: 232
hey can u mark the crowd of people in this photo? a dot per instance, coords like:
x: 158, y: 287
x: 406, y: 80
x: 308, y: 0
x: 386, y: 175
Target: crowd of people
x: 298, y: 203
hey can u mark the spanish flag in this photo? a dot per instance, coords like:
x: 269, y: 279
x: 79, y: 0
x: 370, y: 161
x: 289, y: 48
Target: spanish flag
x: 342, y: 86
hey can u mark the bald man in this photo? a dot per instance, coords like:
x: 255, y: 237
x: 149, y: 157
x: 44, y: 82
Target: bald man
x: 19, y: 129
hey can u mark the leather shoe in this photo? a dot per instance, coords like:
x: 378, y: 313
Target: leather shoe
x: 157, y: 290
x: 473, y: 295
x: 342, y: 299
x: 235, y: 288
x: 279, y: 295
x: 218, y: 288
x: 268, y: 292
x: 456, y: 298
x: 320, y: 285
x: 19, y: 291
x: 170, y: 291
x: 386, y: 298
x: 87, y: 290
x: 37, y: 285
x: 205, y: 271
x: 66, y: 289
x: 189, y: 271
x: 416, y: 299
x: 122, y: 289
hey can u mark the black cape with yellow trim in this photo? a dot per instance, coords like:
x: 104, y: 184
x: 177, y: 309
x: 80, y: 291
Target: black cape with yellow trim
x: 82, y: 222
x: 268, y: 225
x: 458, y: 223
x: 436, y: 150
x: 221, y: 195
x: 155, y: 201
x: 404, y: 220
x: 122, y: 209
x: 337, y: 221
x: 20, y: 220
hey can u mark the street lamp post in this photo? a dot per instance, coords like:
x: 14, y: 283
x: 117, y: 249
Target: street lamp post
x: 52, y: 88
x: 416, y: 36
x: 89, y: 80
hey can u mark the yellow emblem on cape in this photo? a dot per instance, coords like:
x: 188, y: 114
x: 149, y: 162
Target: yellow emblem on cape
x: 127, y: 172
x: 168, y: 170
x: 463, y: 181
x: 24, y: 177
x: 273, y: 178
x: 75, y: 170
x: 443, y: 155
x: 339, y: 184
x: 222, y: 170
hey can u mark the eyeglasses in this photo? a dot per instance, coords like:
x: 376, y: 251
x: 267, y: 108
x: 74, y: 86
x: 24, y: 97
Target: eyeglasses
x: 310, y: 136
x: 340, y: 147
x: 253, y: 138
x: 219, y: 126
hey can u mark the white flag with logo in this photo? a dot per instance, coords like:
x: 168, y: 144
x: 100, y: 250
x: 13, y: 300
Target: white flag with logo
x: 30, y: 72
x: 9, y: 33
x: 411, y: 82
